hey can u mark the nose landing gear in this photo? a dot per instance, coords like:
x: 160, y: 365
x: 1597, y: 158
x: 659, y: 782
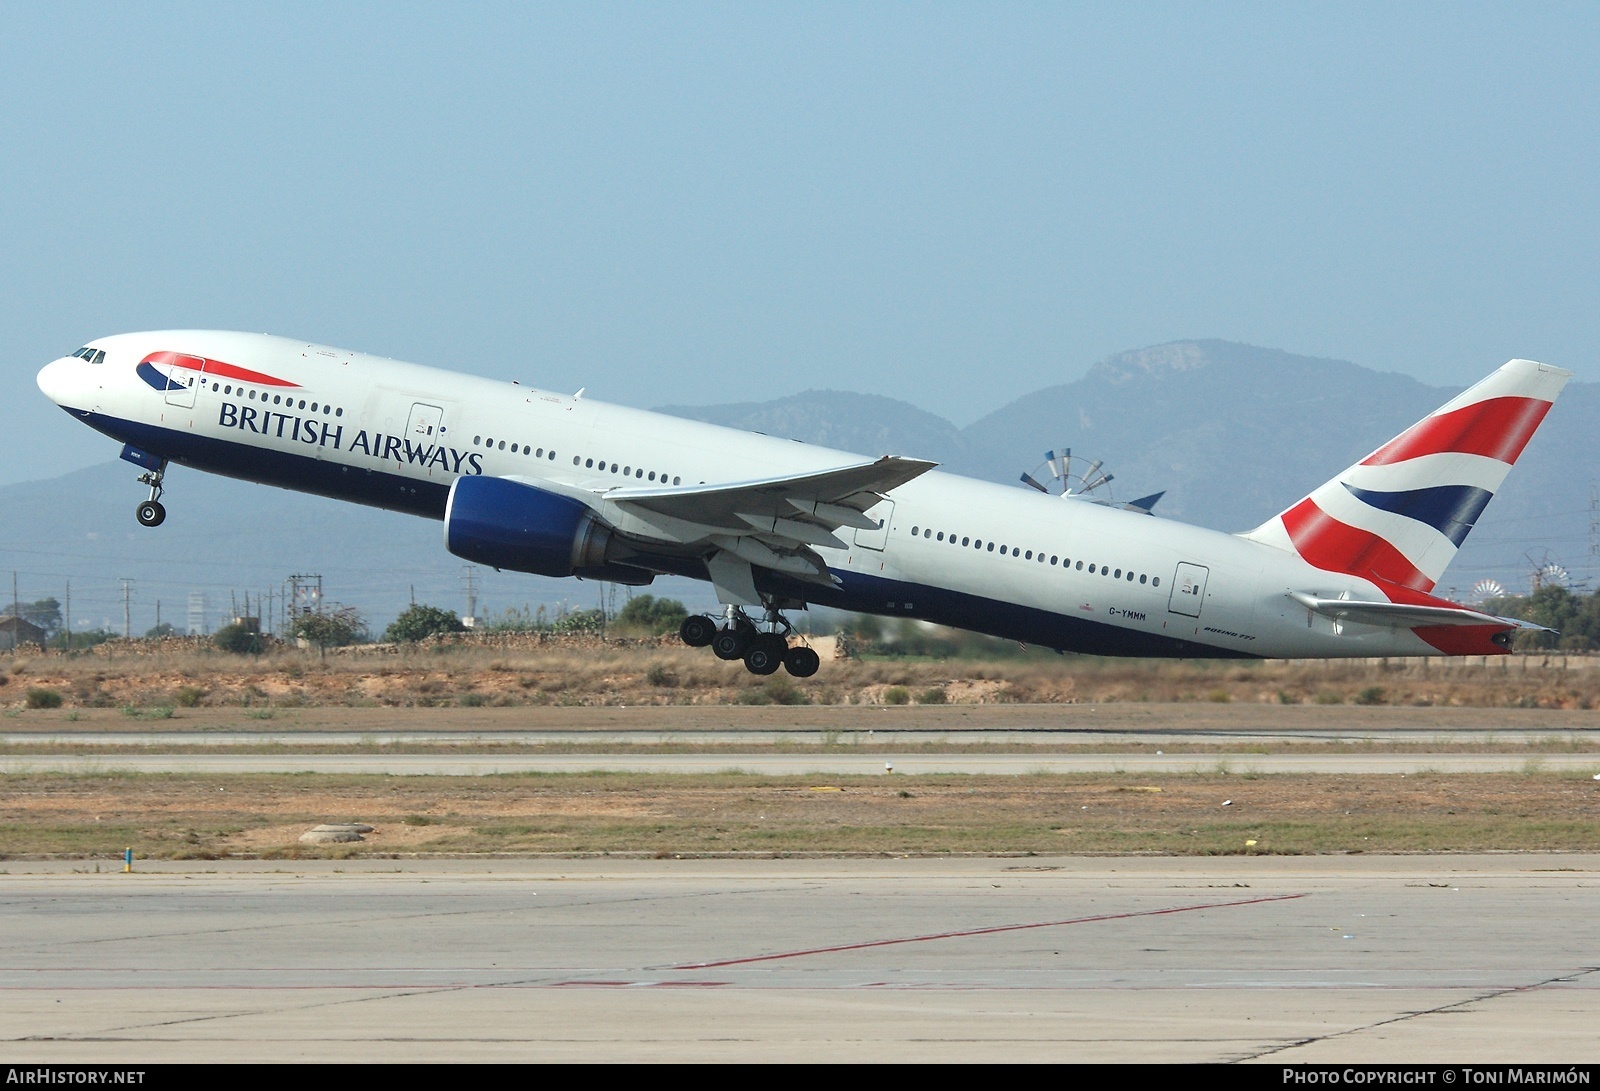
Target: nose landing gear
x: 764, y: 648
x: 152, y: 513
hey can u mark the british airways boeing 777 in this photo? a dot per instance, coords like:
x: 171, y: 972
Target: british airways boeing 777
x: 561, y: 485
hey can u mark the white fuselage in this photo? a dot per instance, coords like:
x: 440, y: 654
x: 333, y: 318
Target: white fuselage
x: 1073, y: 574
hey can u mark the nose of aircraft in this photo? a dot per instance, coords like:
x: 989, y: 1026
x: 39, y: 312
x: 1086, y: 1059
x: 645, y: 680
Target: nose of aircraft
x: 56, y: 379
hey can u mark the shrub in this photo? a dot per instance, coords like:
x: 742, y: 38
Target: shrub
x: 650, y: 614
x: 896, y: 695
x: 1372, y: 695
x: 472, y: 700
x: 334, y: 630
x: 238, y: 640
x: 931, y: 696
x: 781, y: 691
x: 660, y: 674
x: 420, y: 622
x: 44, y: 698
x: 188, y: 696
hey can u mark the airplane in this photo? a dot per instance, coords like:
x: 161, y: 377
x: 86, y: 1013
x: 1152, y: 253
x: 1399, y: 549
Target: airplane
x: 528, y: 480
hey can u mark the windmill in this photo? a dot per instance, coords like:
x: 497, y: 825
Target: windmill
x: 1547, y: 572
x: 1484, y: 590
x: 1074, y: 477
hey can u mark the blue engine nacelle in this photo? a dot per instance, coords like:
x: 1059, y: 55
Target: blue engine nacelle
x: 508, y: 525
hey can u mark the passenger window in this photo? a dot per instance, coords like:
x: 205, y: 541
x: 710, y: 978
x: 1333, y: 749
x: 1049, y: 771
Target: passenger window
x: 1141, y: 579
x: 991, y: 547
x: 1119, y: 573
x: 1052, y: 557
x: 1028, y: 556
x: 677, y: 480
x: 1155, y: 581
x: 588, y: 464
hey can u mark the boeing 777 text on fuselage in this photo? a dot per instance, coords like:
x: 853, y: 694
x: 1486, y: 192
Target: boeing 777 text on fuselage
x: 561, y: 485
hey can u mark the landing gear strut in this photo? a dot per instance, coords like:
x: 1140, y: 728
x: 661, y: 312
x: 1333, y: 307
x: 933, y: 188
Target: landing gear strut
x: 151, y: 513
x: 763, y: 646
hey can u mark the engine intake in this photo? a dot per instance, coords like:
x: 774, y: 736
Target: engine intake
x: 508, y: 525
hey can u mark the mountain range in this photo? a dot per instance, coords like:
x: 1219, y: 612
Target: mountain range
x: 1231, y: 433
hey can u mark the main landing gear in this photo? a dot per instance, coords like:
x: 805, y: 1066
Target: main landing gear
x: 152, y: 513
x: 738, y: 637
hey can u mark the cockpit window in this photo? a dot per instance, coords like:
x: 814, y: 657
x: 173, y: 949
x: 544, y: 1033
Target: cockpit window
x: 94, y: 356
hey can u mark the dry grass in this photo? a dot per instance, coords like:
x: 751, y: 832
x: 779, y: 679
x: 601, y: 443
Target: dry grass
x: 588, y: 672
x: 173, y: 816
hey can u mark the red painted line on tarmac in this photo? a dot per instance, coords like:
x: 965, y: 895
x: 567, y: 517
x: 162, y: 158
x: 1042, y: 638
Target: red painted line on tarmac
x: 985, y: 931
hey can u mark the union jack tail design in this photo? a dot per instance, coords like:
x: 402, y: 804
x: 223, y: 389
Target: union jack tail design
x: 1399, y: 515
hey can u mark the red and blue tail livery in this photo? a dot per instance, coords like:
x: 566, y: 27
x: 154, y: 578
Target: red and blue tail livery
x: 562, y: 485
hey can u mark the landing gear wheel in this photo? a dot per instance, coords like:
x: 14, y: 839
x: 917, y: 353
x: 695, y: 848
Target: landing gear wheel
x: 765, y: 654
x: 151, y: 513
x: 801, y: 662
x: 730, y: 644
x: 697, y: 631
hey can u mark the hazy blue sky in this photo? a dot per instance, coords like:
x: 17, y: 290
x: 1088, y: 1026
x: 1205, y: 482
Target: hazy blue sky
x: 952, y: 205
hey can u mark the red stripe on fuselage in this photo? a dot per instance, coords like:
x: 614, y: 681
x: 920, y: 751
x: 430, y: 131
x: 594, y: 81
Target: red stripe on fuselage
x: 1496, y: 428
x: 1339, y: 547
x: 215, y: 367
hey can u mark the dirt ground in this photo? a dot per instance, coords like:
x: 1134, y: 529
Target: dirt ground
x: 162, y: 815
x: 149, y: 677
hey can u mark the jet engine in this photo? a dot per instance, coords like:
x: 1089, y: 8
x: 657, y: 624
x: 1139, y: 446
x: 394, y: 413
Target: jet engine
x: 507, y: 525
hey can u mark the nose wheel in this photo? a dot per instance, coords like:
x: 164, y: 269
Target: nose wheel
x: 152, y: 513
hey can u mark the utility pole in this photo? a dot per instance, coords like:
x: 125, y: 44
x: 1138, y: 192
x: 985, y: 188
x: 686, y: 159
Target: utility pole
x: 127, y: 612
x: 69, y: 615
x: 158, y: 619
x: 471, y: 578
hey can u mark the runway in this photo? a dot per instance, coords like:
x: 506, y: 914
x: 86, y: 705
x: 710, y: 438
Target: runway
x: 1468, y: 959
x: 770, y: 764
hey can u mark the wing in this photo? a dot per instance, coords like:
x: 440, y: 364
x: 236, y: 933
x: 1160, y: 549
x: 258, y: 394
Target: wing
x: 772, y: 522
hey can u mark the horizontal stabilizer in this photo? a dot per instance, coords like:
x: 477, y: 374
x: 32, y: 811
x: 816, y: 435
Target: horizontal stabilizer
x: 1401, y: 615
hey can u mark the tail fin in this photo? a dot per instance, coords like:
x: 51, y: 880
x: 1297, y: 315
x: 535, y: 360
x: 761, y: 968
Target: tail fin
x: 1400, y: 514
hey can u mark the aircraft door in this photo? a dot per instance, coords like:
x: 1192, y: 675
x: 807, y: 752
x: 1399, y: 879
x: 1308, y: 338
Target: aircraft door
x: 1188, y: 589
x: 184, y: 375
x: 879, y: 537
x: 423, y: 426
